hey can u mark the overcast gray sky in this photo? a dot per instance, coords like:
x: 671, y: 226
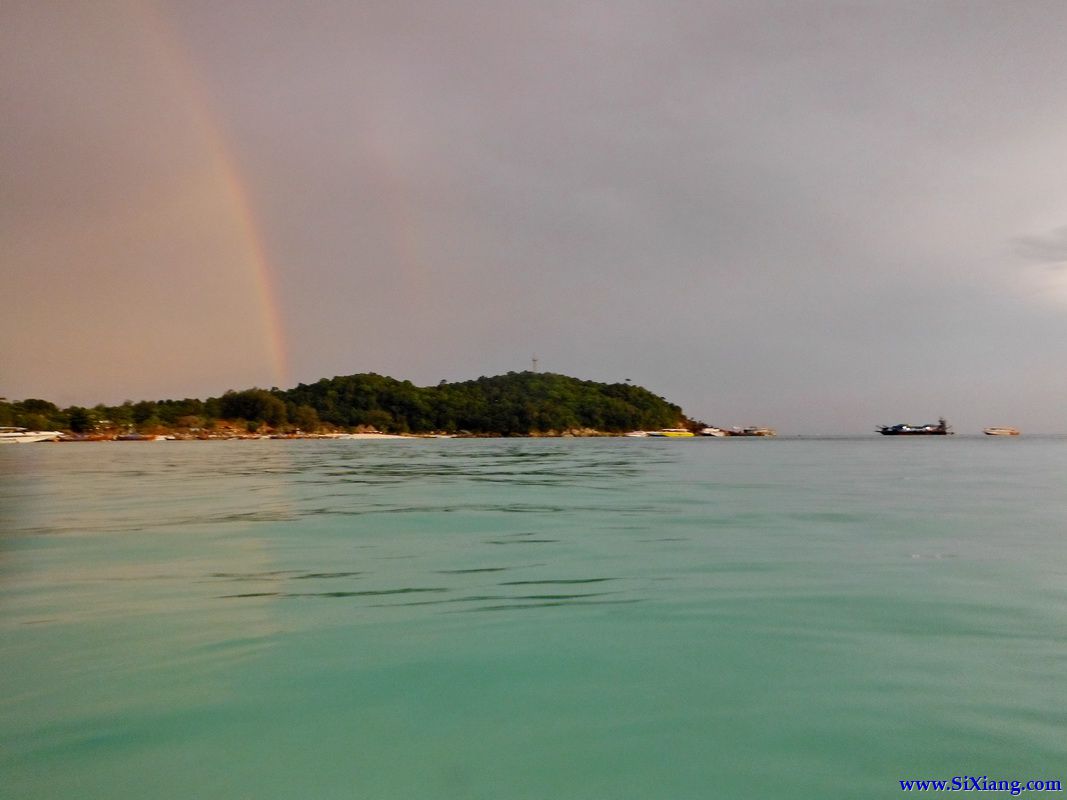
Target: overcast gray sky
x: 818, y: 216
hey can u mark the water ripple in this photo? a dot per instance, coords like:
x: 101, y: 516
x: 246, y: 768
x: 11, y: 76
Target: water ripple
x: 552, y: 604
x: 559, y: 581
x: 363, y: 593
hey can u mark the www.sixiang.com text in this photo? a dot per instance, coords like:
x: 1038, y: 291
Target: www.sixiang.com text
x: 973, y: 783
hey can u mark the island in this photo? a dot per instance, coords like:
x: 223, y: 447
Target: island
x: 515, y: 404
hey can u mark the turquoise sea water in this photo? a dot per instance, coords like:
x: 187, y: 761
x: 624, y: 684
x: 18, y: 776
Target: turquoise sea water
x: 562, y: 619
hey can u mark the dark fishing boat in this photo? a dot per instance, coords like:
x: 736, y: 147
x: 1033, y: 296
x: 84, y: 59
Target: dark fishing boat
x: 940, y: 429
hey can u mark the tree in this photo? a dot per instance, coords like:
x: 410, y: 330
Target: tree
x: 143, y: 411
x: 80, y: 420
x: 35, y: 406
x: 305, y: 418
x: 256, y: 405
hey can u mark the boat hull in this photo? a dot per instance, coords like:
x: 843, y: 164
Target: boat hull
x: 914, y: 433
x: 903, y: 429
x: 1001, y: 431
x: 26, y: 437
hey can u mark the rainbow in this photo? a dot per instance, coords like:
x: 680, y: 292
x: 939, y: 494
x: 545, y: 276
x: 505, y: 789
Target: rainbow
x: 266, y: 296
x: 225, y: 168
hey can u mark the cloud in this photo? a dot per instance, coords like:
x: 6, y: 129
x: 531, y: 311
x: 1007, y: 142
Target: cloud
x: 760, y: 210
x: 1049, y: 249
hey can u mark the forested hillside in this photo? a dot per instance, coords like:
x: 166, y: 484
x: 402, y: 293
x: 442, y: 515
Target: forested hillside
x: 516, y: 404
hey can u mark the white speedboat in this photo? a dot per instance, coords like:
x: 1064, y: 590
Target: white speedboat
x: 21, y: 435
x: 1001, y: 431
x: 713, y: 431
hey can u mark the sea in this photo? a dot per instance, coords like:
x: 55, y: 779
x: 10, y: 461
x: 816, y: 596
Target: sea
x: 563, y: 619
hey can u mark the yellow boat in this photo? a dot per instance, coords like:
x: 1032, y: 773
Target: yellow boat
x: 674, y: 433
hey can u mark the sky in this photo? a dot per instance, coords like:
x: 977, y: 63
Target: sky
x: 817, y: 216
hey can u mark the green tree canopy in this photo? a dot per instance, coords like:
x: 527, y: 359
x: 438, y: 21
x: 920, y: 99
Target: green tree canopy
x: 518, y: 403
x: 253, y: 405
x: 515, y: 404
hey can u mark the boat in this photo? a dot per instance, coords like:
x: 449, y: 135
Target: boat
x: 9, y: 434
x: 752, y: 431
x: 902, y: 429
x: 1000, y: 431
x: 636, y: 434
x: 711, y: 430
x: 672, y: 433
